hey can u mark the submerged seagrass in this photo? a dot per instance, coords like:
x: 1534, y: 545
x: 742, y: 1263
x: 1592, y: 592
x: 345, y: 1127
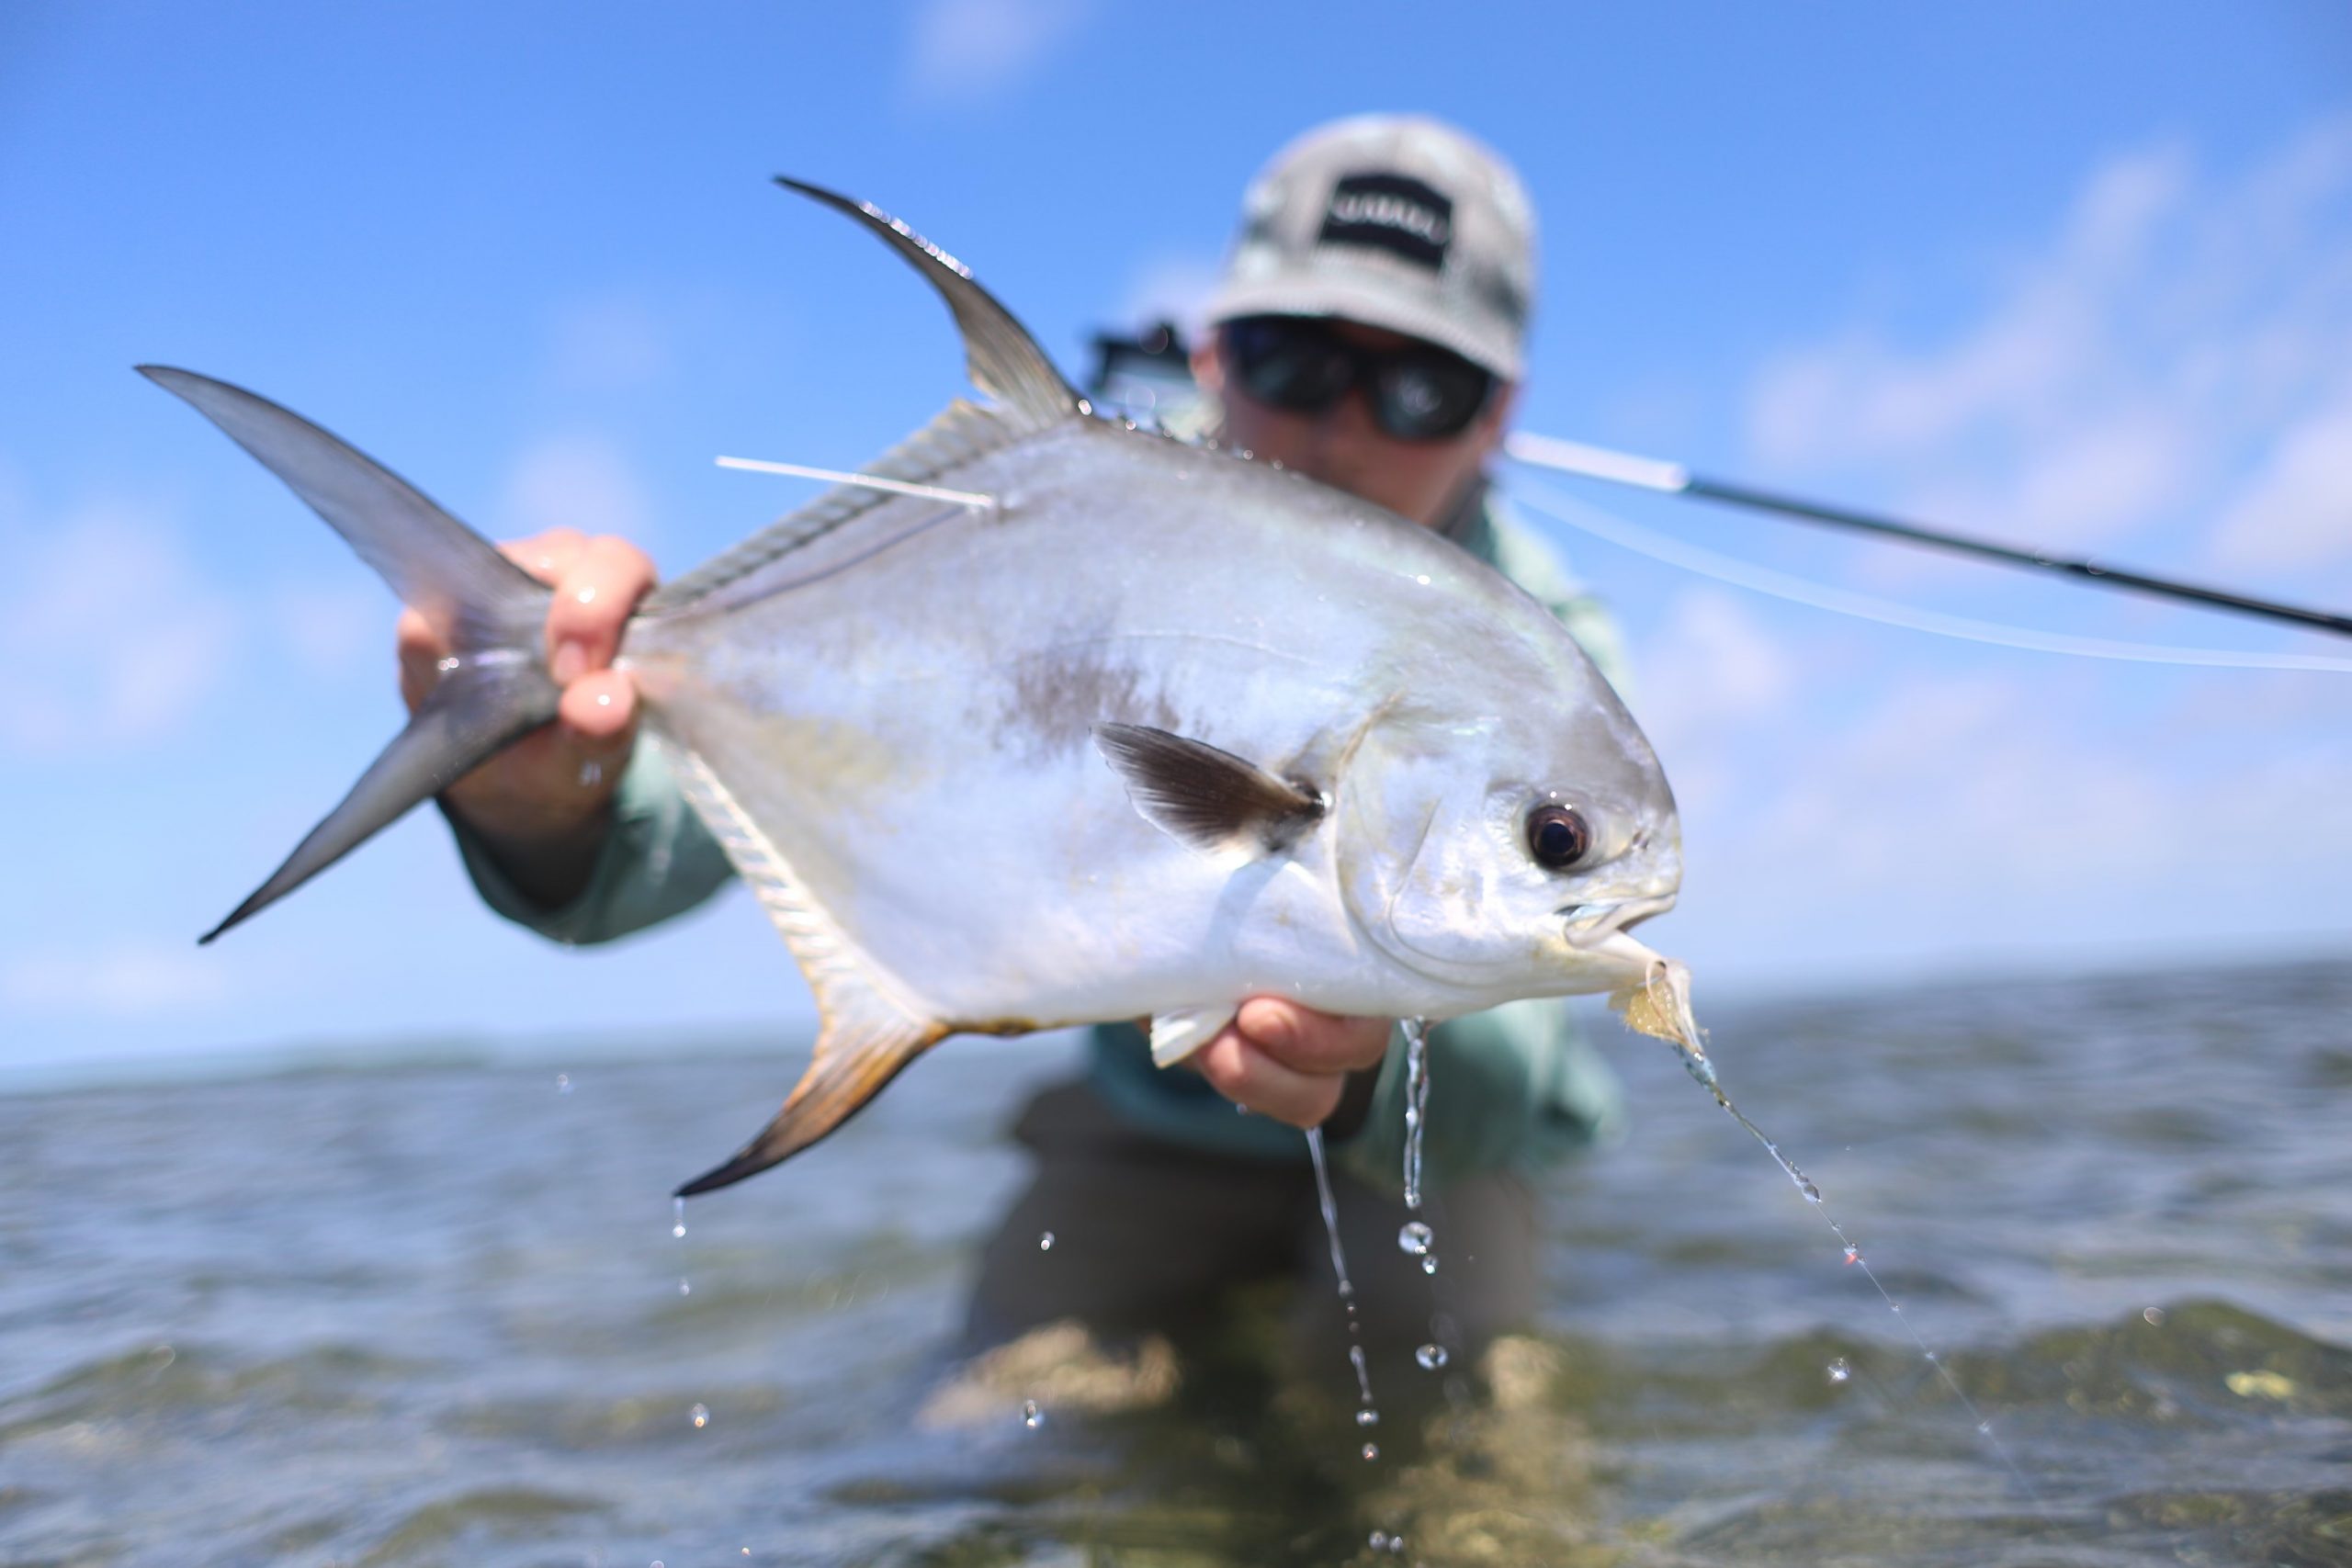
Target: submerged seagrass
x: 1158, y: 729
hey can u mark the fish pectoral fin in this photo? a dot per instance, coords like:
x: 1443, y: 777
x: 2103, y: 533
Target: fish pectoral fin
x: 1176, y: 1035
x: 844, y: 1075
x: 1205, y: 797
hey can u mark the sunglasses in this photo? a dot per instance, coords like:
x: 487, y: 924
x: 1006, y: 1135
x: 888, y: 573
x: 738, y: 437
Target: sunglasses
x: 1418, y: 392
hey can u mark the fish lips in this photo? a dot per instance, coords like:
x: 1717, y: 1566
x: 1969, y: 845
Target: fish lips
x: 1591, y: 927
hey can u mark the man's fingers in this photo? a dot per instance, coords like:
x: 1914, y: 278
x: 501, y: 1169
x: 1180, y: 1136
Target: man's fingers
x: 593, y: 596
x: 1312, y: 1041
x: 546, y: 555
x: 420, y: 650
x: 1248, y: 1075
x: 600, y: 709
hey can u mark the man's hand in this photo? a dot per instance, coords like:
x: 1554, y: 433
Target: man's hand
x: 1290, y: 1061
x: 544, y: 803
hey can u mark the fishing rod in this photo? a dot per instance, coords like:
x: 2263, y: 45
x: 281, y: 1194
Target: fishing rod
x: 1673, y: 479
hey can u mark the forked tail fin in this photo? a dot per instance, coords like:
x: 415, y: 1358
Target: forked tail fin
x: 497, y: 689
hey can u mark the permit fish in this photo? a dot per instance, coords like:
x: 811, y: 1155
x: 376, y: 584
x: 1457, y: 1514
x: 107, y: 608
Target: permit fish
x: 1118, y: 727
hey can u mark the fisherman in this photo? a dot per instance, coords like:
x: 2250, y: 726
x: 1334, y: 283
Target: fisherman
x: 1368, y: 332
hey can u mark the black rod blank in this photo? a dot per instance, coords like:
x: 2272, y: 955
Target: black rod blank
x: 1672, y: 478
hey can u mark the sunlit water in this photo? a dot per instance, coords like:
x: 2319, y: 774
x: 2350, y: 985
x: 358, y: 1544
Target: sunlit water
x: 433, y: 1315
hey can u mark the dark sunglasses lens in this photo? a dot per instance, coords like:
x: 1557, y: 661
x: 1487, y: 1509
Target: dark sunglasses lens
x: 1289, y: 365
x: 1429, y: 397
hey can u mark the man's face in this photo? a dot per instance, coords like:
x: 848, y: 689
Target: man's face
x: 1343, y: 445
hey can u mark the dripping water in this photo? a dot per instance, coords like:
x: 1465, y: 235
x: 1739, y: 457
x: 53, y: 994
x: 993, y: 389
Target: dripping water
x: 1368, y: 1412
x: 1417, y: 1104
x: 1415, y: 1238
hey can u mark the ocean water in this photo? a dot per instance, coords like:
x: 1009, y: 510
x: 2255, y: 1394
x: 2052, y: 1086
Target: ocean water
x: 431, y: 1314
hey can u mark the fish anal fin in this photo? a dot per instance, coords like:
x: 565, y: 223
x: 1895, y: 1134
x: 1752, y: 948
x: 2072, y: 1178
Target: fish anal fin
x: 872, y: 1029
x: 1176, y: 1035
x: 848, y: 1070
x: 1207, y: 798
x: 1000, y: 356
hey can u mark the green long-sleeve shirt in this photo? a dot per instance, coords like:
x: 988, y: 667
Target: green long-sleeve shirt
x: 1514, y: 1087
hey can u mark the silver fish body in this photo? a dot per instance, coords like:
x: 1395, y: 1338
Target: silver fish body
x: 1157, y: 729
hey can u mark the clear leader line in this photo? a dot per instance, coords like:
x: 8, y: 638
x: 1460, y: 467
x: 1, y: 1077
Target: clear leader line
x: 1673, y: 479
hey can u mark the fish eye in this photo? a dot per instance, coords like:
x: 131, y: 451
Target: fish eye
x: 1557, y: 835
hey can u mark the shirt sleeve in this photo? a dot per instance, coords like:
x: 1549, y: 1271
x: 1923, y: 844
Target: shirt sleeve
x: 658, y: 860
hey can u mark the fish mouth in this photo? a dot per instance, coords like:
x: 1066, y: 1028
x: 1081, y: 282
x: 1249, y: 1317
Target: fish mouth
x: 1589, y: 925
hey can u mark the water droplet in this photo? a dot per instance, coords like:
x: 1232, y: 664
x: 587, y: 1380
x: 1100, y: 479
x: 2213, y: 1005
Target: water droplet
x: 2155, y: 1315
x: 1379, y: 1541
x: 446, y: 665
x: 1367, y: 1416
x: 678, y: 1217
x: 591, y: 774
x: 1985, y: 1427
x: 1853, y: 1255
x: 1423, y: 578
x: 564, y: 1083
x: 702, y: 1416
x: 1030, y: 1416
x: 1429, y: 1264
x: 1371, y: 1451
x: 1840, y: 1369
x: 1431, y: 1357
x: 1395, y: 1546
x: 1931, y: 1356
x: 1414, y: 1239
x: 1045, y: 1242
x: 684, y: 1289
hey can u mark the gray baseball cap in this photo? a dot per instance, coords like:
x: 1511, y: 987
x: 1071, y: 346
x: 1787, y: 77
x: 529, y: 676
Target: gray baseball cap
x: 1397, y: 221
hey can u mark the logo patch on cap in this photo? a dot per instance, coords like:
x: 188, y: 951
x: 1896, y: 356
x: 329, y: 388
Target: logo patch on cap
x: 1393, y: 213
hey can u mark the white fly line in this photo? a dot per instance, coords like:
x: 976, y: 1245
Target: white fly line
x: 1704, y: 562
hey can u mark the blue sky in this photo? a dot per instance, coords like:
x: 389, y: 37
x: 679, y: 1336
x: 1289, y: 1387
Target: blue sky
x: 2080, y: 276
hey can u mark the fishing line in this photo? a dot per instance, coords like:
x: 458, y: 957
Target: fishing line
x: 864, y: 482
x: 1777, y: 584
x: 1697, y: 1065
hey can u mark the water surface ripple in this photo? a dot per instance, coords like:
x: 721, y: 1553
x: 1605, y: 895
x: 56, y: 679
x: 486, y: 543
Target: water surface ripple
x: 432, y: 1314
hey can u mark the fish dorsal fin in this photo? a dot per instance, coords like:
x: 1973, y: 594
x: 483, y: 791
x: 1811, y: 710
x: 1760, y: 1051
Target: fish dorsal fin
x: 961, y: 433
x: 1000, y: 356
x: 1205, y: 797
x: 870, y: 1032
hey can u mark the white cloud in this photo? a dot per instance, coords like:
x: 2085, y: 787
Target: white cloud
x: 128, y: 980
x: 574, y: 481
x: 110, y: 633
x: 1982, y: 809
x: 2169, y: 352
x: 331, y: 627
x: 2297, y: 509
x: 1704, y: 681
x: 966, y: 51
x: 1710, y: 664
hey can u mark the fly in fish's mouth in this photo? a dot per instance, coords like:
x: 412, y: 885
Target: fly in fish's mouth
x: 1591, y: 924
